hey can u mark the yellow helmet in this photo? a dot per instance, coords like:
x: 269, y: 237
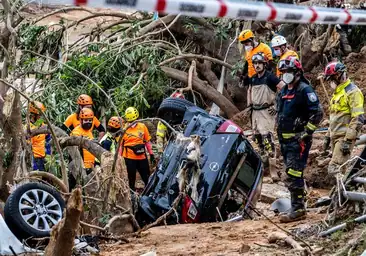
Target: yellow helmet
x: 245, y: 35
x: 34, y: 110
x: 131, y: 114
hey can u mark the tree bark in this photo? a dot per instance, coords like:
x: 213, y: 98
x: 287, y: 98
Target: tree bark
x: 63, y: 234
x: 210, y: 76
x: 212, y: 94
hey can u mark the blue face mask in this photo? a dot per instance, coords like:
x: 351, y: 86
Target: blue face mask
x: 277, y: 52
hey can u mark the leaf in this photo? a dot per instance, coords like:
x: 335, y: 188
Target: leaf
x: 145, y: 102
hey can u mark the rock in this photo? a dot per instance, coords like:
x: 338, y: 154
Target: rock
x: 314, y: 153
x: 325, y: 123
x: 244, y: 248
x: 268, y: 199
x: 323, y: 162
x: 267, y: 180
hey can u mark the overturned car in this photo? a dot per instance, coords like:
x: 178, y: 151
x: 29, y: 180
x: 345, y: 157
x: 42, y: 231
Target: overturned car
x: 211, y: 160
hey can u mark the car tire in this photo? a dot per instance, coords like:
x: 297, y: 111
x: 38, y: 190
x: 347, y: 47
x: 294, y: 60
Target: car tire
x: 32, y: 210
x: 173, y: 109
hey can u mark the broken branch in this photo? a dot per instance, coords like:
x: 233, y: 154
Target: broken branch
x: 197, y: 56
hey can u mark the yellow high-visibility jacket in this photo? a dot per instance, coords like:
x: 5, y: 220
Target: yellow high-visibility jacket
x: 346, y: 111
x: 161, y: 134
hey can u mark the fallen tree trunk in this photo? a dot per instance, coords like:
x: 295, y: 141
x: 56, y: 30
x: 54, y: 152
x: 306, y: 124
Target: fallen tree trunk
x: 229, y: 108
x: 63, y: 233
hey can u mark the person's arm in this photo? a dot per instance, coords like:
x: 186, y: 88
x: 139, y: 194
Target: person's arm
x: 100, y: 128
x: 274, y: 83
x: 356, y: 103
x: 48, y: 144
x: 314, y: 109
x: 147, y: 139
x: 68, y: 126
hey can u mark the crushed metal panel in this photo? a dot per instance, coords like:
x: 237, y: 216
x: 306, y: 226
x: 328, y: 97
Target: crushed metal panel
x: 8, y: 239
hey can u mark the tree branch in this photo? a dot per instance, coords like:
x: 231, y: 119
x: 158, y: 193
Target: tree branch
x: 229, y: 108
x: 196, y: 56
x: 62, y: 160
x: 63, y: 10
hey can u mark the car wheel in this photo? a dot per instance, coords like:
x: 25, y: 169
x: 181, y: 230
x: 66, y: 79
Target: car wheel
x: 32, y: 210
x: 172, y: 109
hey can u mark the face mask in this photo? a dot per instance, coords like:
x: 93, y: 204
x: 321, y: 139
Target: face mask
x: 248, y: 48
x: 288, y: 78
x: 333, y: 85
x: 277, y: 52
x: 86, y: 126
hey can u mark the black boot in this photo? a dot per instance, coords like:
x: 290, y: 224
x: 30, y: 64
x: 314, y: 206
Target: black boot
x: 298, y: 211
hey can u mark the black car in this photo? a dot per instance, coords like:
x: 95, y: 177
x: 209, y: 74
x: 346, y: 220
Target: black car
x: 230, y: 176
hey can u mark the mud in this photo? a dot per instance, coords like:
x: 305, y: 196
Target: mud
x: 247, y: 237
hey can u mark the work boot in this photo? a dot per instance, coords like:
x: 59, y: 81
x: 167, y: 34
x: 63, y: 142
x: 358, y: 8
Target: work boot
x: 273, y: 169
x: 298, y: 211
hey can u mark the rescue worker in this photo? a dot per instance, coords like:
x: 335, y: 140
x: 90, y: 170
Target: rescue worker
x: 111, y: 138
x: 73, y: 120
x: 298, y: 114
x: 84, y: 129
x: 162, y: 131
x: 41, y: 146
x: 261, y: 99
x: 252, y: 46
x: 134, y: 141
x: 279, y: 45
x: 346, y: 115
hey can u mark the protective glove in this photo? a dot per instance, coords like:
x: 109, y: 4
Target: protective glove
x: 272, y: 111
x: 306, y: 135
x: 152, y: 159
x: 346, y: 147
x: 326, y: 143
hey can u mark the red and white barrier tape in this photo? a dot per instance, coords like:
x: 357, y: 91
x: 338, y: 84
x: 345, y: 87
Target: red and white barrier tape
x: 233, y: 9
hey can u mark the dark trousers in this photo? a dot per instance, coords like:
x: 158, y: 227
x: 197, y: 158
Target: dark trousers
x: 134, y: 165
x: 38, y: 164
x: 295, y: 154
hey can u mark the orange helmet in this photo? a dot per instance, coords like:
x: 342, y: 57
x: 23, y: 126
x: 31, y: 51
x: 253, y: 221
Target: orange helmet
x: 85, y: 100
x: 114, y: 122
x: 34, y: 110
x: 86, y: 113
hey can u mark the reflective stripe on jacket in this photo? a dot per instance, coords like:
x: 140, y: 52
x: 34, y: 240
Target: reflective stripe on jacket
x: 346, y: 111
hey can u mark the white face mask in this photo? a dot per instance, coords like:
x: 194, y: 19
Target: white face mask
x: 248, y: 48
x: 288, y: 78
x: 333, y: 85
x: 277, y: 52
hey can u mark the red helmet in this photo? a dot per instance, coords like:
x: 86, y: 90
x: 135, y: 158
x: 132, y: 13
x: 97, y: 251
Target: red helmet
x: 290, y: 63
x: 334, y: 68
x: 177, y: 94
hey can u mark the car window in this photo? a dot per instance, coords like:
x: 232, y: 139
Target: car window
x: 246, y: 175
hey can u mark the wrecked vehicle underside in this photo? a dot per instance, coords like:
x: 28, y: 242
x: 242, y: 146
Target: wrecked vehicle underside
x: 210, y: 161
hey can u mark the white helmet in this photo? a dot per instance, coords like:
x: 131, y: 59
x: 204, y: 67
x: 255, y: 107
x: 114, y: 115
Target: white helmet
x: 278, y: 41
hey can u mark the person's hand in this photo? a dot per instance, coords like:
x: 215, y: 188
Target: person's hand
x: 152, y: 159
x: 272, y: 110
x: 346, y: 147
x: 306, y: 135
x: 326, y: 143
